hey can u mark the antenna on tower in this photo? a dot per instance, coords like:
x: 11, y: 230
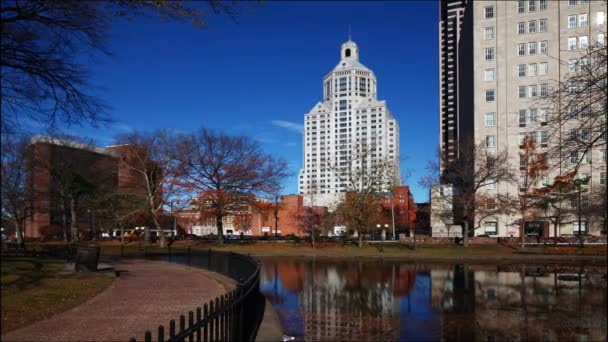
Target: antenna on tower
x: 349, y: 32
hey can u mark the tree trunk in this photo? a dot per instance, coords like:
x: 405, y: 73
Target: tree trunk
x: 147, y: 234
x: 220, y: 229
x: 18, y: 232
x: 312, y: 236
x: 521, y: 234
x: 465, y: 235
x: 64, y: 222
x: 122, y: 234
x: 73, y: 220
x: 161, y: 234
x: 414, y: 235
x: 360, y: 240
x: 555, y: 232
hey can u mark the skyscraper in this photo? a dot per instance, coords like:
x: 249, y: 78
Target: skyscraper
x: 349, y: 135
x: 499, y: 61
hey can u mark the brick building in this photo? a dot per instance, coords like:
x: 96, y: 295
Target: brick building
x: 58, y: 167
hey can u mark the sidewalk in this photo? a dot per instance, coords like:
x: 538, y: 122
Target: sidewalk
x: 146, y: 294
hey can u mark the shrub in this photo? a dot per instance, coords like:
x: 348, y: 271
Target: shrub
x: 51, y: 232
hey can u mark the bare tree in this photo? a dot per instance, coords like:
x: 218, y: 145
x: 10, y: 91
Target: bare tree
x: 42, y: 77
x: 470, y: 177
x: 577, y: 107
x: 151, y: 176
x: 16, y: 206
x: 365, y: 176
x: 227, y: 172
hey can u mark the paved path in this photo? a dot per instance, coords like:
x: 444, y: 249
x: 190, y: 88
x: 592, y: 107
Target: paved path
x: 146, y: 294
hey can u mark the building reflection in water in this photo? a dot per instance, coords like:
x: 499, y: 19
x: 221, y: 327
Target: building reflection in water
x: 321, y: 300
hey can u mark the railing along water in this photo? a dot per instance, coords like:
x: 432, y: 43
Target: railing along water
x: 234, y: 316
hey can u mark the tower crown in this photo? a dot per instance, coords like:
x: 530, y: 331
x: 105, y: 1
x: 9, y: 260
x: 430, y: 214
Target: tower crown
x: 350, y: 51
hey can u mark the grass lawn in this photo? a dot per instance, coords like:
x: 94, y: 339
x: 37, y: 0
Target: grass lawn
x: 33, y: 289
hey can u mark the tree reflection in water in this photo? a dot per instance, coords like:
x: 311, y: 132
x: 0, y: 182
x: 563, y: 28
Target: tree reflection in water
x: 322, y: 299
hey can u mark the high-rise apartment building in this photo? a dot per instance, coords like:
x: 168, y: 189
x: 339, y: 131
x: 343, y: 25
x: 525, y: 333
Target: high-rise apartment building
x: 349, y: 132
x: 498, y: 61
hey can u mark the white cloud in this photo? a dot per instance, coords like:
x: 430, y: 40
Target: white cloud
x: 293, y: 126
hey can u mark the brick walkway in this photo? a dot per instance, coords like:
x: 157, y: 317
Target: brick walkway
x: 146, y: 294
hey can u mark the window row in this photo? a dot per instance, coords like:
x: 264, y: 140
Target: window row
x: 532, y: 69
x: 532, y: 115
x: 532, y: 48
x: 521, y: 5
x: 583, y: 42
x: 581, y: 22
x: 540, y: 138
x: 532, y: 26
x: 533, y: 90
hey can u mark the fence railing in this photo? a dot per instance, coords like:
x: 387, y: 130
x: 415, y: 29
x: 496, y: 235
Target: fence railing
x: 234, y: 316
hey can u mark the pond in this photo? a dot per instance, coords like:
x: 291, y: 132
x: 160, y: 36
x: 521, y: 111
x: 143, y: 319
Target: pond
x: 320, y: 299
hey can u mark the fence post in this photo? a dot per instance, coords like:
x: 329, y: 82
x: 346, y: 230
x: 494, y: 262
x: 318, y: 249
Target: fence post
x: 205, y: 329
x: 240, y: 313
x: 190, y: 324
x: 148, y: 337
x: 171, y: 329
x: 161, y: 333
x: 212, y: 321
x: 198, y: 324
x: 182, y: 323
x: 217, y: 319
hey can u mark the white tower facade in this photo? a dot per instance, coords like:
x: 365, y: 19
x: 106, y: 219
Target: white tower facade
x: 349, y: 132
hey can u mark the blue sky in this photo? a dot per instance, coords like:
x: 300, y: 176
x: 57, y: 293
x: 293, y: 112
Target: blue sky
x: 260, y: 74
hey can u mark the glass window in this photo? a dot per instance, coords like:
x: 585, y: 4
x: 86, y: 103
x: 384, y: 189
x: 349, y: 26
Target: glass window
x: 573, y: 157
x: 544, y: 137
x: 543, y: 5
x: 522, y: 118
x: 533, y: 137
x: 521, y: 70
x: 490, y: 95
x: 544, y: 90
x: 491, y: 228
x: 489, y: 74
x: 490, y: 119
x: 601, y: 18
x: 542, y: 25
x: 521, y: 91
x: 533, y: 115
x: 532, y: 26
x: 521, y: 136
x: 521, y: 27
x: 579, y: 230
x: 490, y: 141
x: 582, y: 42
x: 572, y: 65
x: 521, y: 49
x: 542, y: 70
x: 542, y: 46
x: 531, y: 5
x: 489, y: 33
x: 521, y: 6
x: 584, y: 2
x: 489, y: 53
x: 532, y: 69
x: 542, y: 113
x: 582, y: 19
x: 572, y: 21
x: 571, y: 2
x: 572, y: 43
x: 489, y: 12
x: 601, y: 38
x: 532, y: 48
x: 532, y: 91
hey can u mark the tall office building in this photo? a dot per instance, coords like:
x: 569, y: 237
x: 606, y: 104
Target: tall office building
x: 349, y: 131
x: 498, y: 59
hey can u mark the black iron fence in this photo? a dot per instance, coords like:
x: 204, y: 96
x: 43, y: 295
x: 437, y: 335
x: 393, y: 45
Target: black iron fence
x: 234, y: 316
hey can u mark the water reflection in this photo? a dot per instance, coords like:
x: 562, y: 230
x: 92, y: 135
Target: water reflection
x: 374, y: 300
